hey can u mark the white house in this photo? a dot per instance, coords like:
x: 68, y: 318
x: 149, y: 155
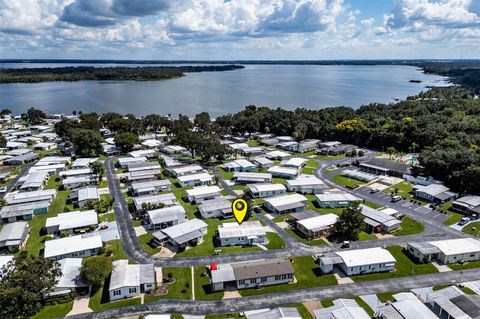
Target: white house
x: 335, y: 199
x: 263, y: 162
x: 79, y: 181
x: 200, y: 179
x: 435, y: 193
x: 407, y: 306
x: 284, y: 172
x: 342, y: 309
x: 124, y: 161
x: 306, y: 184
x: 76, y: 172
x: 73, y: 247
x: 186, y: 170
x: 81, y: 196
x: 251, y: 177
x: 278, y: 155
x: 151, y: 187
x: 167, y: 199
x: 130, y: 280
x: 262, y: 190
x: 317, y: 226
x: 285, y: 204
x: 216, y: 208
x: 239, y: 165
x: 143, y: 153
x: 70, y: 279
x: 247, y: 233
x: 13, y: 236
x: 202, y: 193
x: 447, y: 251
x: 44, y: 146
x: 358, y: 261
x: 83, y: 162
x: 191, y: 231
x: 71, y: 222
x: 294, y: 162
x: 165, y: 217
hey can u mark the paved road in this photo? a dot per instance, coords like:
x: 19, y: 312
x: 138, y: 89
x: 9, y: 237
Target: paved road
x: 11, y: 184
x: 135, y: 252
x: 288, y: 297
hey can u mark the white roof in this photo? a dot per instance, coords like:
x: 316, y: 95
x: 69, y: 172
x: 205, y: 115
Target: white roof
x: 152, y: 143
x: 469, y: 200
x: 319, y: 222
x: 5, y: 260
x: 252, y: 175
x: 67, y: 245
x: 283, y: 170
x: 204, y: 177
x: 285, y: 199
x: 167, y: 199
x: 46, y: 168
x: 203, y: 190
x: 243, y: 163
x: 266, y: 187
x: 336, y: 196
x: 165, y: 214
x: 125, y: 160
x: 186, y: 169
x: 457, y: 246
x: 389, y: 211
x: 73, y: 219
x: 73, y: 172
x: 182, y: 229
x: 274, y: 154
x: 432, y: 189
x: 51, y: 160
x: 245, y: 229
x: 70, y: 277
x: 83, y: 162
x: 26, y: 197
x: 238, y: 146
x: 369, y: 256
x: 262, y: 160
x: 294, y: 162
x: 305, y: 180
x: 125, y: 275
x: 141, y: 153
x: 86, y: 193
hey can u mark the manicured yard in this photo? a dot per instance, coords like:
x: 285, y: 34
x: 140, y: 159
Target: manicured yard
x: 253, y: 143
x: 453, y: 218
x: 55, y: 311
x: 371, y: 204
x: 366, y: 236
x: 365, y: 306
x: 472, y: 229
x: 278, y: 180
x: 224, y: 174
x: 327, y: 303
x: 347, y: 182
x: 99, y: 300
x: 404, y: 189
x: 107, y: 217
x: 468, y: 265
x: 310, y: 167
x: 145, y: 241
x: 202, y: 285
x: 177, y: 290
x: 180, y: 193
x: 330, y: 158
x: 313, y: 242
x: 404, y: 267
x: 410, y: 227
x: 115, y: 246
x: 274, y: 241
x: 103, y: 183
x: 307, y: 274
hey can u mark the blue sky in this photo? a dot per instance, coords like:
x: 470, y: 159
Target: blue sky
x: 239, y: 29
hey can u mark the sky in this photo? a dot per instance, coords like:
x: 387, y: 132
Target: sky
x: 239, y: 29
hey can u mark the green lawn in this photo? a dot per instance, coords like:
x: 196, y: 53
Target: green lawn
x: 99, y: 301
x: 365, y: 306
x: 253, y: 143
x: 313, y: 242
x: 145, y: 241
x: 387, y: 296
x: 404, y: 189
x: 180, y: 193
x: 404, y: 267
x: 224, y: 174
x: 371, y: 204
x: 274, y: 241
x: 410, y: 227
x: 177, y: 290
x: 327, y: 303
x: 347, y: 182
x: 202, y: 285
x: 330, y: 158
x: 107, y: 217
x: 453, y: 218
x: 472, y: 229
x: 103, y: 183
x: 468, y: 265
x: 117, y: 249
x: 278, y: 180
x: 280, y: 218
x: 310, y: 167
x: 307, y: 274
x: 55, y: 311
x: 366, y: 236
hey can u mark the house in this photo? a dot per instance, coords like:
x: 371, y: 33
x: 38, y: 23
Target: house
x: 22, y: 159
x: 284, y: 172
x: 307, y: 145
x: 202, y: 193
x: 32, y: 181
x: 240, y: 165
x: 124, y: 161
x: 251, y: 150
x: 13, y: 236
x: 262, y: 190
x: 294, y: 162
x: 6, y: 261
x: 110, y: 150
x: 143, y: 166
x: 170, y: 162
x: 149, y: 154
x: 15, y: 145
x: 74, y: 182
x: 275, y: 313
x: 174, y: 149
x: 200, y: 179
x: 435, y: 193
x: 78, y: 246
x: 23, y: 211
x: 83, y: 162
x: 72, y: 222
x: 317, y: 226
x: 29, y: 197
x: 447, y: 251
x: 238, y: 146
x: 251, y: 177
x: 452, y: 303
x: 382, y: 166
x: 246, y: 233
x: 143, y: 175
x: 70, y: 279
x: 167, y: 199
x: 262, y: 162
x: 76, y: 172
x: 286, y: 204
x: 405, y: 306
x: 285, y: 138
x: 342, y: 309
x: 467, y: 205
x: 165, y: 217
x: 130, y: 280
x: 79, y: 197
x: 272, y: 141
x: 278, y: 155
x: 335, y: 199
x: 287, y: 145
x: 379, y: 221
x: 152, y: 144
x: 18, y: 152
x: 186, y: 170
x: 337, y: 149
x: 44, y: 146
x: 53, y: 160
x: 50, y: 169
x: 150, y: 187
x: 216, y: 208
x: 358, y: 261
x: 188, y: 232
x: 306, y: 184
x: 250, y: 274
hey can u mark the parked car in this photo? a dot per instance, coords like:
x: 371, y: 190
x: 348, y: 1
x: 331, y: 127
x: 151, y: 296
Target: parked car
x: 345, y: 244
x: 463, y: 221
x: 3, y: 189
x: 374, y: 190
x: 396, y: 199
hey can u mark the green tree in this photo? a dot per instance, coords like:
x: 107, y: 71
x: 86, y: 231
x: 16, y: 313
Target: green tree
x: 5, y: 112
x: 350, y: 222
x: 87, y: 142
x: 390, y: 151
x: 35, y: 116
x: 126, y: 141
x: 23, y: 284
x: 95, y: 270
x: 98, y: 169
x: 202, y: 121
x: 3, y: 141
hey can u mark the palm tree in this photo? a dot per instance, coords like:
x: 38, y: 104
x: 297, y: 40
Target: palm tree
x: 99, y: 170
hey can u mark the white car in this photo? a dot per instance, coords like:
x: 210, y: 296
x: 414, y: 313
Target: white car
x: 3, y: 190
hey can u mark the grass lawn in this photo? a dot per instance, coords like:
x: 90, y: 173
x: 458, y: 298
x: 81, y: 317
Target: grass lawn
x: 202, y: 285
x: 224, y: 174
x: 330, y: 158
x: 468, y: 265
x: 107, y: 217
x: 280, y: 218
x: 387, y: 296
x: 365, y: 306
x: 366, y: 236
x: 180, y: 193
x: 54, y: 311
x: 347, y: 182
x: 117, y: 249
x: 253, y: 143
x: 410, y: 227
x: 327, y: 303
x: 313, y: 242
x: 145, y: 241
x: 310, y: 167
x: 307, y: 274
x: 404, y: 189
x: 103, y: 183
x: 177, y: 290
x: 371, y: 204
x: 453, y: 218
x: 404, y: 267
x: 472, y: 229
x: 278, y: 180
x: 274, y: 241
x: 99, y: 300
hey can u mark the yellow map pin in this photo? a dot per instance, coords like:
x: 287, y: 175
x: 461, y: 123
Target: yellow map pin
x: 239, y: 208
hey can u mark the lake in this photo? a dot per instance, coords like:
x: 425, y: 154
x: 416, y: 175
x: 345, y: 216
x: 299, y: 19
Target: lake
x: 287, y: 86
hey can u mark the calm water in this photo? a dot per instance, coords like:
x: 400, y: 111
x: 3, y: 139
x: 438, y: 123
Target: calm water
x: 287, y: 86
